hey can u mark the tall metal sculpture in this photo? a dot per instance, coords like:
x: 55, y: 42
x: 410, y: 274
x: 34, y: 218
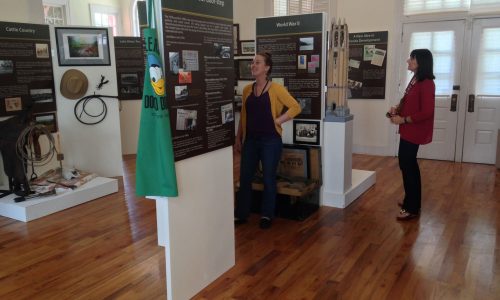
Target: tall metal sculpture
x: 338, y: 61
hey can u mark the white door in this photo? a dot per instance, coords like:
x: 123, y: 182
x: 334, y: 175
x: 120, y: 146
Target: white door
x: 445, y: 41
x: 482, y: 120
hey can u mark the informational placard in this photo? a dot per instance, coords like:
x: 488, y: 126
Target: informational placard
x: 367, y: 64
x: 26, y: 76
x: 199, y: 74
x: 129, y: 55
x: 295, y: 43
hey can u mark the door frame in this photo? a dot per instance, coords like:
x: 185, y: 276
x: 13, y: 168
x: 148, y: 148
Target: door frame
x: 464, y: 80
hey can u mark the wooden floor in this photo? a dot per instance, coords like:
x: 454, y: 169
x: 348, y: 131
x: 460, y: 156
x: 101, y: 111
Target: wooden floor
x: 107, y: 248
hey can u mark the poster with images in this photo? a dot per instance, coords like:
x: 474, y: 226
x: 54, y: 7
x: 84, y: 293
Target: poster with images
x: 129, y: 56
x: 296, y: 45
x: 26, y: 78
x: 199, y: 75
x: 367, y: 65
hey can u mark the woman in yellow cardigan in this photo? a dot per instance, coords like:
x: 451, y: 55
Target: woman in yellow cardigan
x: 259, y: 137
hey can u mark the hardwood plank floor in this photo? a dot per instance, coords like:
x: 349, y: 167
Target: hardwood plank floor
x: 107, y: 248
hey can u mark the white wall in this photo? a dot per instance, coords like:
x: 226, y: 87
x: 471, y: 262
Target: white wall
x: 80, y: 10
x: 25, y: 11
x: 373, y: 133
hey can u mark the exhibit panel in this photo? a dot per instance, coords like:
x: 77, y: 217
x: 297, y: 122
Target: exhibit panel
x: 199, y: 75
x: 296, y: 44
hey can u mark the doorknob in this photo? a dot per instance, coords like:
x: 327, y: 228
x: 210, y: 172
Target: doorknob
x: 454, y: 99
x: 472, y: 99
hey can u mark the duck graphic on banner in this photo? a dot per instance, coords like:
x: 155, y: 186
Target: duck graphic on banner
x: 156, y: 75
x: 155, y: 167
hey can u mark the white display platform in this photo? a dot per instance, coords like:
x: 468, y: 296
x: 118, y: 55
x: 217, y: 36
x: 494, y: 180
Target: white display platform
x: 197, y: 228
x: 39, y: 207
x: 361, y: 181
x: 341, y: 184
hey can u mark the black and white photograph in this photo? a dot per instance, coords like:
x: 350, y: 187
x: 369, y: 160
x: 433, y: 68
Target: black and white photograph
x: 42, y: 50
x: 306, y: 132
x: 42, y: 95
x: 227, y: 113
x: 6, y: 67
x: 306, y: 44
x: 186, y: 119
x: 82, y: 46
x: 190, y: 60
x: 173, y: 58
x: 129, y: 78
x: 49, y: 120
x: 181, y: 92
x: 354, y: 85
x: 305, y: 104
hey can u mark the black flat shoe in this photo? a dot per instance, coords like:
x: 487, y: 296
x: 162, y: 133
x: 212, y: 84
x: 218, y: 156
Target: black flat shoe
x: 265, y: 223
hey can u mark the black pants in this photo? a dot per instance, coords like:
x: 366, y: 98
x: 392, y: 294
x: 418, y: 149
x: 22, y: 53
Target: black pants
x: 411, y: 176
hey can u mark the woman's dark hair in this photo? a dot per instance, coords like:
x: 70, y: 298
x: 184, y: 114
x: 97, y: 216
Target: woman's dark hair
x: 267, y: 60
x: 425, y: 63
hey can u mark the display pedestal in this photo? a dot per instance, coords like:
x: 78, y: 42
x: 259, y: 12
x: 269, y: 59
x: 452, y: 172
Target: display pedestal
x: 39, y: 207
x: 341, y: 184
x: 197, y: 228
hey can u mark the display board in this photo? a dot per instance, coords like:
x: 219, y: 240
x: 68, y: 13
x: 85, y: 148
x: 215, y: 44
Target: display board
x: 129, y: 54
x: 199, y: 74
x: 367, y: 64
x: 25, y: 68
x: 296, y: 45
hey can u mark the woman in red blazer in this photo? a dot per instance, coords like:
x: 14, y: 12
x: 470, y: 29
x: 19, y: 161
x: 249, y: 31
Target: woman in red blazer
x: 415, y: 117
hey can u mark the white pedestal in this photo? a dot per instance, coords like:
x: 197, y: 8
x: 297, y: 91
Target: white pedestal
x: 39, y: 207
x: 197, y: 227
x: 341, y: 184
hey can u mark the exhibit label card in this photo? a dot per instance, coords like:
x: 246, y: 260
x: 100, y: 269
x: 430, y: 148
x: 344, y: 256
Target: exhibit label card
x: 129, y: 56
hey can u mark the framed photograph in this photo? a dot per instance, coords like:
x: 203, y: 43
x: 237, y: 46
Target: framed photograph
x: 82, y: 46
x: 47, y: 119
x: 243, y: 68
x: 306, y: 132
x: 247, y: 47
x: 236, y: 38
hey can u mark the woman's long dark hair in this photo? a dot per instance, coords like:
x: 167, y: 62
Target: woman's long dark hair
x: 425, y: 63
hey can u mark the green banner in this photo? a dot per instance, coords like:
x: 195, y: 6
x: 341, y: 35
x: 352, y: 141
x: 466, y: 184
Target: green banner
x: 155, y: 167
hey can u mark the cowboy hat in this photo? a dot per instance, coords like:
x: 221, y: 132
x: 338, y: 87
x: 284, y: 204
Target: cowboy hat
x: 74, y: 84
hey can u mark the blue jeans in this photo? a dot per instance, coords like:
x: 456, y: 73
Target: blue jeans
x: 268, y: 151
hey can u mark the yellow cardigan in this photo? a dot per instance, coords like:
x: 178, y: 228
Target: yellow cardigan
x: 279, y: 97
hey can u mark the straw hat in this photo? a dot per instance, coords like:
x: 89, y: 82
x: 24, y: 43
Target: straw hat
x: 74, y: 84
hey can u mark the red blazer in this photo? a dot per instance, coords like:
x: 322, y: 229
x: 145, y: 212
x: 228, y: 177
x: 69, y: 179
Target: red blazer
x: 419, y: 106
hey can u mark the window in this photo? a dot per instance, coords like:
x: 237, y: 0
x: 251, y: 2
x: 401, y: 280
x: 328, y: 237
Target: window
x: 415, y: 7
x: 135, y: 20
x: 55, y: 12
x: 105, y: 16
x: 488, y: 70
x: 442, y: 46
x: 296, y: 7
